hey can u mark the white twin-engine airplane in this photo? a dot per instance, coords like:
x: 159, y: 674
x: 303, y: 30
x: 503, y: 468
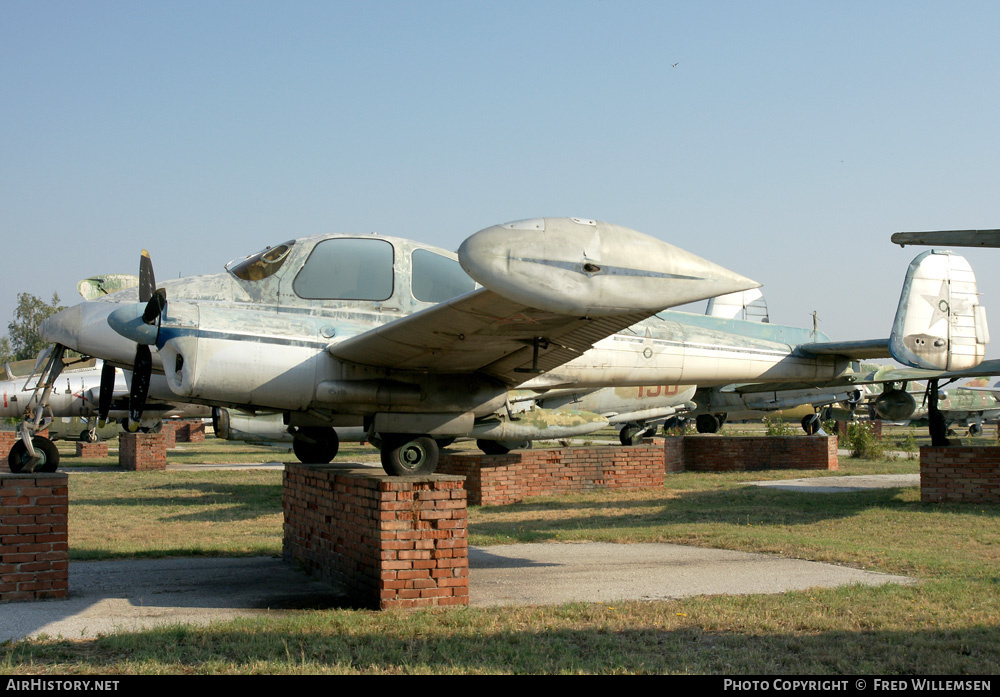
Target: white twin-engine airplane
x: 346, y: 330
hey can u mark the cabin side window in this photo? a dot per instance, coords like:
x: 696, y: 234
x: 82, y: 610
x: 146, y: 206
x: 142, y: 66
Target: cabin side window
x: 347, y: 269
x: 435, y: 278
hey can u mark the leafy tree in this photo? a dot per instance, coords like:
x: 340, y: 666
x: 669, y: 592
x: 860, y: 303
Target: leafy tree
x: 23, y: 340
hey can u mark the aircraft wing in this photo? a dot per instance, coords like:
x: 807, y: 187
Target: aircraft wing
x: 481, y: 332
x: 984, y: 369
x: 552, y: 287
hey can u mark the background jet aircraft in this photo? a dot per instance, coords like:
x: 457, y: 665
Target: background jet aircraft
x: 76, y: 395
x: 388, y: 334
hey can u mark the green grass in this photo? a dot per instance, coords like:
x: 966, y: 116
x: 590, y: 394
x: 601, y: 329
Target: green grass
x: 947, y: 624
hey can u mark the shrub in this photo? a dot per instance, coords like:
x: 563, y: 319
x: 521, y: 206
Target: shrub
x: 863, y: 442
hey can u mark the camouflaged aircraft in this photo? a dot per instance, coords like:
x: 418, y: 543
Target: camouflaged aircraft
x: 963, y: 406
x: 394, y: 336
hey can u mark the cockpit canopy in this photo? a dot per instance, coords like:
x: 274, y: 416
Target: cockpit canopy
x: 348, y: 268
x: 264, y: 263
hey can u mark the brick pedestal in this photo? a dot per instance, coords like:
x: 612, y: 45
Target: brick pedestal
x: 7, y: 439
x: 711, y: 453
x: 960, y: 474
x: 91, y: 449
x: 390, y: 541
x: 34, y: 551
x: 191, y: 432
x: 501, y: 479
x: 142, y: 451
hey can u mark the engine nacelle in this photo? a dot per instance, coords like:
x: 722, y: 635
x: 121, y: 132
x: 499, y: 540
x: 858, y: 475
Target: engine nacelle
x: 895, y: 405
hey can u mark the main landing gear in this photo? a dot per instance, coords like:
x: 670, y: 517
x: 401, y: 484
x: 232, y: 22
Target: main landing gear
x: 316, y: 445
x: 402, y: 453
x: 709, y: 423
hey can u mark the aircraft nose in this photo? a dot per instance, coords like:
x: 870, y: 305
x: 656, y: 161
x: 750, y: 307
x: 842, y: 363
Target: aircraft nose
x: 64, y: 327
x: 84, y: 328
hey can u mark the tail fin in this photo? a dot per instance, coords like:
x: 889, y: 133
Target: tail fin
x: 939, y: 323
x: 743, y: 304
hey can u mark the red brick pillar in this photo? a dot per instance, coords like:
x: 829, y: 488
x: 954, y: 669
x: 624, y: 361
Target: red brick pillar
x: 34, y: 551
x: 191, y: 432
x: 961, y: 474
x: 389, y: 541
x: 501, y: 479
x: 673, y: 454
x: 91, y: 449
x: 142, y: 451
x: 7, y: 440
x: 169, y: 429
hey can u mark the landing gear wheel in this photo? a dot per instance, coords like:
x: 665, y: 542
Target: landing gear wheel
x: 631, y: 434
x: 492, y: 447
x: 316, y: 445
x: 406, y: 454
x: 18, y: 458
x: 707, y: 423
x: 88, y: 436
x: 501, y: 447
x: 811, y: 424
x: 975, y: 430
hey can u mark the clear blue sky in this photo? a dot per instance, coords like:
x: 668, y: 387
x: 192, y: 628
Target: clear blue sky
x: 785, y: 140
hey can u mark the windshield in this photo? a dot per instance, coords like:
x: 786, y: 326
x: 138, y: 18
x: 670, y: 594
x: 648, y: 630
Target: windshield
x: 262, y: 264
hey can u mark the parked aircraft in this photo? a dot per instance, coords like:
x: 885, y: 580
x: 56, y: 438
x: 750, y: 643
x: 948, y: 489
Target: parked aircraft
x: 907, y: 401
x: 391, y: 335
x: 76, y: 396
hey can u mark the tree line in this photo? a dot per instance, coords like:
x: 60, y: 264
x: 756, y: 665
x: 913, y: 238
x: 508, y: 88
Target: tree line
x: 23, y: 340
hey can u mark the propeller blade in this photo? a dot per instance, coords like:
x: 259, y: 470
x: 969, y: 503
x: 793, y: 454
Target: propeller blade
x: 141, y: 372
x: 147, y: 282
x: 155, y: 306
x: 106, y: 394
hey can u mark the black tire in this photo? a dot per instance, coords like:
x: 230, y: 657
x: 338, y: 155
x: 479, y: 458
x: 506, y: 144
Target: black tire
x: 18, y: 457
x: 707, y: 423
x: 492, y: 447
x: 316, y: 445
x: 87, y: 437
x: 408, y: 455
x: 811, y: 424
x: 631, y: 435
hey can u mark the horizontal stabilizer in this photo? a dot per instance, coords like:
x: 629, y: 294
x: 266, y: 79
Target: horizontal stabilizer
x: 939, y: 323
x: 858, y: 350
x: 950, y: 238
